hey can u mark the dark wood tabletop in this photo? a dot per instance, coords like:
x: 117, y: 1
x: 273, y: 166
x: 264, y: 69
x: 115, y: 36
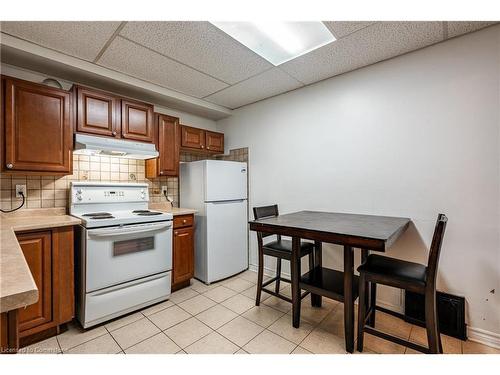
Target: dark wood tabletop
x: 363, y: 231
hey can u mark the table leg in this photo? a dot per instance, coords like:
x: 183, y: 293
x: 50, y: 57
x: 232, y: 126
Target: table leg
x: 295, y: 277
x: 364, y: 258
x: 348, y: 300
x: 318, y: 262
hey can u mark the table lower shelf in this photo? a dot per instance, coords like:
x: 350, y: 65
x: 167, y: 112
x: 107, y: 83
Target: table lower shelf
x: 328, y: 283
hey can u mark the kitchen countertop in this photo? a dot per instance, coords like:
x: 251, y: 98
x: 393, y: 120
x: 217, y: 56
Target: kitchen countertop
x: 17, y: 287
x: 166, y: 207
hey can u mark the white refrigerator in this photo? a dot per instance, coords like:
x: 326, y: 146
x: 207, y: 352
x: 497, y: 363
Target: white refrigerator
x: 217, y: 189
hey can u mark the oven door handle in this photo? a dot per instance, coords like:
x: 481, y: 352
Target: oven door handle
x: 136, y: 230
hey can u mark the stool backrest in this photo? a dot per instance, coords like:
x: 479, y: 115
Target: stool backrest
x: 263, y: 212
x: 437, y: 241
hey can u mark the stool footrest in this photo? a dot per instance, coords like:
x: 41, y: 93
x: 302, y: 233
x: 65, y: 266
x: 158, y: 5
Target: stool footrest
x: 284, y: 298
x: 395, y: 339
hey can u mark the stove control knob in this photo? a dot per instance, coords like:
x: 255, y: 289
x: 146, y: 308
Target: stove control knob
x: 79, y: 191
x: 79, y: 197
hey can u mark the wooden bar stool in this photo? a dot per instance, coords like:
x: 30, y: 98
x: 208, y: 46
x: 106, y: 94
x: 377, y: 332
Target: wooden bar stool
x: 280, y: 249
x: 404, y: 275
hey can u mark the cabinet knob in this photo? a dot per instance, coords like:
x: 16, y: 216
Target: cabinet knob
x: 114, y: 134
x: 202, y: 146
x: 10, y: 165
x: 176, y: 233
x: 161, y: 172
x: 208, y: 148
x: 184, y: 221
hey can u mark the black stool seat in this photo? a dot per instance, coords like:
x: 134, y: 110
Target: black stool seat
x: 405, y: 275
x: 399, y: 270
x: 285, y: 247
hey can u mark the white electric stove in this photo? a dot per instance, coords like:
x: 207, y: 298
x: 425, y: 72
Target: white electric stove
x: 124, y: 252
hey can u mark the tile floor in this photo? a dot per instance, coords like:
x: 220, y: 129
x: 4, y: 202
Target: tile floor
x: 223, y: 318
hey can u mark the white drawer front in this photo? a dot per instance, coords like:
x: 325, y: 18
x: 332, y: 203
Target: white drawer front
x: 115, y: 301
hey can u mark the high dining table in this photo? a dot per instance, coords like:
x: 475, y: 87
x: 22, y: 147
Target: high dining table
x: 352, y: 231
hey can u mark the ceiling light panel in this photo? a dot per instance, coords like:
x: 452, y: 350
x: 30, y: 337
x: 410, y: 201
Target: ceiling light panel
x: 278, y: 41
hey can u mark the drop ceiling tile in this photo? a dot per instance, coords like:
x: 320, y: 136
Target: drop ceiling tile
x: 264, y: 85
x: 367, y: 46
x: 462, y: 27
x: 199, y: 45
x: 341, y: 29
x: 137, y: 61
x: 79, y: 39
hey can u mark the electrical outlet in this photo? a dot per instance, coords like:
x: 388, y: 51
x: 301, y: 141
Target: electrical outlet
x: 164, y: 190
x: 20, y: 189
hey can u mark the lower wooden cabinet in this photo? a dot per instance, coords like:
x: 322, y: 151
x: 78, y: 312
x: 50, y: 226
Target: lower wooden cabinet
x: 49, y: 255
x: 9, y: 333
x: 37, y: 250
x: 183, y: 251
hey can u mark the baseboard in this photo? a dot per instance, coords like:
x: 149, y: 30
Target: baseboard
x: 479, y: 335
x: 484, y: 337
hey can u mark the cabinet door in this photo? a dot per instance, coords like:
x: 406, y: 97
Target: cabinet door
x: 37, y: 250
x: 137, y: 121
x: 37, y: 128
x: 192, y: 137
x: 183, y: 255
x: 214, y: 141
x: 97, y: 112
x: 168, y: 146
x: 63, y: 278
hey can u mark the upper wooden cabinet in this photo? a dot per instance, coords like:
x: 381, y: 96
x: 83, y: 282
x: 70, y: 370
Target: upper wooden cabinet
x: 97, y: 112
x: 192, y: 137
x: 105, y: 114
x: 137, y: 121
x: 36, y: 128
x: 202, y: 140
x: 214, y: 141
x: 167, y: 164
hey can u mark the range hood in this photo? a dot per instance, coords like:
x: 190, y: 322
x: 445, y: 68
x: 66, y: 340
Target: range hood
x: 102, y: 146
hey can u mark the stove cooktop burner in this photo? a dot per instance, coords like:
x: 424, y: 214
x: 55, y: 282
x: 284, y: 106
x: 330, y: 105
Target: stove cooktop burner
x: 102, y: 217
x: 146, y: 213
x: 98, y: 214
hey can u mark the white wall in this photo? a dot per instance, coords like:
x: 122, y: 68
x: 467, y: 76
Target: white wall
x: 184, y: 118
x: 412, y: 136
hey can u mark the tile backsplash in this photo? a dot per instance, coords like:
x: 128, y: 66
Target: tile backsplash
x: 52, y: 191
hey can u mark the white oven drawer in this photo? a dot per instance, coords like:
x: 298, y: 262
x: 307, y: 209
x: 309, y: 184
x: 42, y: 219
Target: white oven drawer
x: 116, y: 255
x: 112, y: 302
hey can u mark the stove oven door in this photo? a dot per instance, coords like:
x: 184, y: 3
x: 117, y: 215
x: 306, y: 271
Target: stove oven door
x: 116, y: 255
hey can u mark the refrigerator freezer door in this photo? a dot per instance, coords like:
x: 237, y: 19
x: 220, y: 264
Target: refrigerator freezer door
x: 225, y: 180
x: 227, y: 239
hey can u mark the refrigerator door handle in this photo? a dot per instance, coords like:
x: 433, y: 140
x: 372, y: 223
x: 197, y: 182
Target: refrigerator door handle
x: 227, y: 202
